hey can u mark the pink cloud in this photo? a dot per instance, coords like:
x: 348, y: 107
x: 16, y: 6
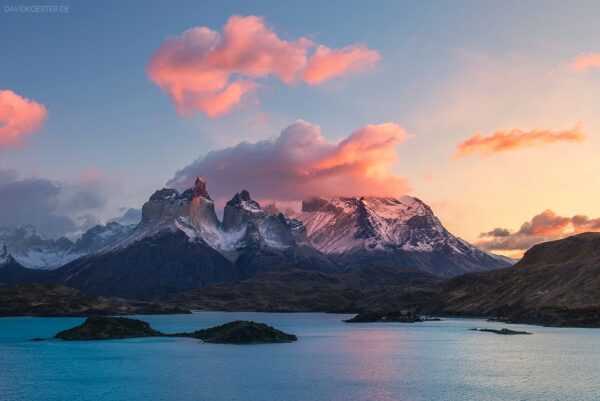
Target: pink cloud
x: 203, y: 70
x: 502, y: 141
x: 301, y: 162
x: 327, y: 63
x: 19, y: 117
x: 585, y: 61
x: 546, y: 226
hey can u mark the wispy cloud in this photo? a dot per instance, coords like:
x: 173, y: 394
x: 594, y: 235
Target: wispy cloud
x: 19, y: 117
x: 203, y: 70
x: 503, y: 141
x: 54, y: 208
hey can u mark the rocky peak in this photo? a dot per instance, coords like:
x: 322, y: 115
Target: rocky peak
x: 364, y: 225
x: 252, y: 234
x: 241, y: 209
x: 164, y: 194
x: 200, y: 188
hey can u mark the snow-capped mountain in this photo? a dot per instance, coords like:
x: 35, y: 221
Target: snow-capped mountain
x: 387, y: 231
x: 11, y: 271
x: 180, y: 244
x: 35, y: 251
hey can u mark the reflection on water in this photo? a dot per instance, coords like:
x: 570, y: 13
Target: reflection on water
x: 331, y: 361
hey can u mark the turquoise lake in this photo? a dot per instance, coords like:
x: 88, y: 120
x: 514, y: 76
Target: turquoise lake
x: 331, y: 361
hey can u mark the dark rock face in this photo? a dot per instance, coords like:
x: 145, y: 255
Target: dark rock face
x: 240, y: 210
x: 58, y: 300
x: 164, y: 194
x: 166, y: 263
x: 200, y: 188
x: 106, y: 328
x: 395, y: 316
x: 237, y: 332
x: 243, y: 332
x: 556, y: 283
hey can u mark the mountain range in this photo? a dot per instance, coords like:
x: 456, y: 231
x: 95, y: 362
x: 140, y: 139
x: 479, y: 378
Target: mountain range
x: 180, y: 244
x: 34, y: 251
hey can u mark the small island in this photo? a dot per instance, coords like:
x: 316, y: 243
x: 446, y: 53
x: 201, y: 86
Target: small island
x: 237, y: 332
x: 241, y: 332
x: 504, y: 331
x: 395, y: 317
x: 108, y: 328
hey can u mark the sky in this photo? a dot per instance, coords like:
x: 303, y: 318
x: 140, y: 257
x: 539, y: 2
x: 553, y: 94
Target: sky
x: 487, y: 111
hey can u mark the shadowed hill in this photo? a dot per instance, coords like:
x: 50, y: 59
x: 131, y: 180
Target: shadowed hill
x: 556, y: 283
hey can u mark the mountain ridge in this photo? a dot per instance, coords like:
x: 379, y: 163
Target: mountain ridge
x: 180, y: 243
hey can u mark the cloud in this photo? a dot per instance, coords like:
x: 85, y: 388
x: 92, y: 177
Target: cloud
x: 203, y: 70
x: 496, y: 232
x: 328, y: 63
x: 301, y: 162
x: 54, y: 208
x: 546, y: 226
x: 19, y: 117
x: 503, y: 141
x: 585, y: 61
x: 129, y: 216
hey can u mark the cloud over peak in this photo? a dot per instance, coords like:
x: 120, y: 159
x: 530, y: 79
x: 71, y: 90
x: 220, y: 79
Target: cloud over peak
x: 301, y: 162
x: 203, y: 70
x: 19, y: 117
x: 503, y: 141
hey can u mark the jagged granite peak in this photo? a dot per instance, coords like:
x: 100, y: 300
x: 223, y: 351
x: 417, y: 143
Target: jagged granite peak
x: 252, y: 234
x: 200, y: 188
x: 240, y: 210
x: 164, y: 194
x: 390, y: 232
x: 277, y: 231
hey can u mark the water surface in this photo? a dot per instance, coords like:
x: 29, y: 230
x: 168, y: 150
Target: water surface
x: 331, y: 361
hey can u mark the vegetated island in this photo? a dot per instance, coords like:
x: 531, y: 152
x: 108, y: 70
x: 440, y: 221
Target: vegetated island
x: 236, y: 332
x: 504, y: 331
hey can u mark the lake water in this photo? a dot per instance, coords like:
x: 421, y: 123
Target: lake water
x: 331, y: 361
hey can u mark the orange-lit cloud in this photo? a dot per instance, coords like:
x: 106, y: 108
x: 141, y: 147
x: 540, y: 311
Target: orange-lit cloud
x: 328, y: 63
x: 301, y: 162
x: 502, y: 141
x: 19, y: 117
x: 585, y: 61
x: 546, y: 226
x: 203, y: 70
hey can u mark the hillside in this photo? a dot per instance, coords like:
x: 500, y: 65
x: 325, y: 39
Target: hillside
x: 556, y: 283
